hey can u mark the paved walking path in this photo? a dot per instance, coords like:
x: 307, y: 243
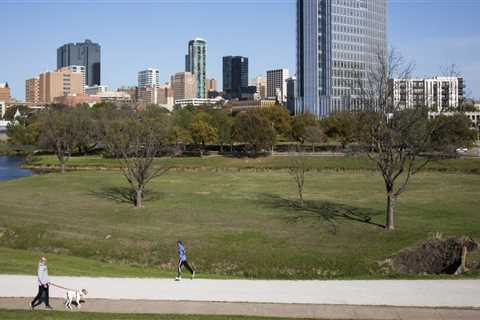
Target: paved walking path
x: 346, y: 299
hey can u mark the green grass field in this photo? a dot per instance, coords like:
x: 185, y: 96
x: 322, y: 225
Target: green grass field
x: 219, y: 163
x: 48, y: 315
x: 236, y: 223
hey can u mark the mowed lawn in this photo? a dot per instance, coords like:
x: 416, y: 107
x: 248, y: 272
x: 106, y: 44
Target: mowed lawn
x: 234, y: 223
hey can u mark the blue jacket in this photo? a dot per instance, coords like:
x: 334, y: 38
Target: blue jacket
x: 181, y: 252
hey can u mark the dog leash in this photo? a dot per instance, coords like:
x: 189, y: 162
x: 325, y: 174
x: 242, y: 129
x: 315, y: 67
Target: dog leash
x: 60, y: 287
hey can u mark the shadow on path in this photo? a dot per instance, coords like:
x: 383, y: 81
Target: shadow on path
x: 329, y: 212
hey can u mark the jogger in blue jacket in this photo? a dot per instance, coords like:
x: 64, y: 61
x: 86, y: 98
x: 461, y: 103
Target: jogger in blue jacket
x: 182, y: 261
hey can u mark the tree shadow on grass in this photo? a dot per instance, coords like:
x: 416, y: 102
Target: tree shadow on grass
x: 124, y: 195
x: 326, y: 211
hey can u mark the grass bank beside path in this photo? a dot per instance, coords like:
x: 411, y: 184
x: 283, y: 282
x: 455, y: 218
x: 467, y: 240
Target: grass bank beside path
x: 239, y: 224
x: 341, y: 163
x: 18, y: 262
x: 56, y: 315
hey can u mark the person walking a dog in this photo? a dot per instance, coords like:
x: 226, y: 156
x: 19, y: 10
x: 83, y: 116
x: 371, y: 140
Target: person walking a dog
x: 182, y: 261
x: 43, y: 286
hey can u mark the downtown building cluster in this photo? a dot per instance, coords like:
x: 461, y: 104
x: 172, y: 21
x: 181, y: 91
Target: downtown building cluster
x: 338, y: 42
x: 77, y: 80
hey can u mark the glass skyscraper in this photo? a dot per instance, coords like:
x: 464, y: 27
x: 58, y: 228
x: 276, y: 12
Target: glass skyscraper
x: 235, y: 76
x: 338, y: 42
x: 196, y: 63
x: 85, y: 54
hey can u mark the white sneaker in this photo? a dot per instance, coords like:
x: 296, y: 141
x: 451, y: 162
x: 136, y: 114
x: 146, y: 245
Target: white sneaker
x: 193, y: 275
x: 178, y: 278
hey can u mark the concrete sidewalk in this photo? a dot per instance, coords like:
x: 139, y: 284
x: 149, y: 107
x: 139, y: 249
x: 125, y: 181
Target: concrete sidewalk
x: 404, y: 293
x: 305, y: 299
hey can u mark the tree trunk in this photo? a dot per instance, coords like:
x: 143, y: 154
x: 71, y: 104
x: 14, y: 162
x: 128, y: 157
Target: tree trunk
x: 139, y: 198
x: 390, y: 211
x: 62, y: 166
x: 300, y: 195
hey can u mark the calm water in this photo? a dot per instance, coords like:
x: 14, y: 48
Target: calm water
x: 9, y: 168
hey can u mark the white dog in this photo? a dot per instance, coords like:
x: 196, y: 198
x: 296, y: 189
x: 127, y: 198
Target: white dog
x: 74, y: 296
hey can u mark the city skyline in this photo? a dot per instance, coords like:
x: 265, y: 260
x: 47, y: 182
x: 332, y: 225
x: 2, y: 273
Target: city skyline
x: 271, y: 46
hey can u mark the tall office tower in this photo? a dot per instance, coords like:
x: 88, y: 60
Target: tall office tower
x: 277, y: 84
x: 4, y: 92
x: 184, y: 86
x: 148, y: 78
x: 87, y: 54
x: 32, y: 90
x: 235, y: 76
x: 291, y: 94
x: 196, y: 64
x: 338, y: 41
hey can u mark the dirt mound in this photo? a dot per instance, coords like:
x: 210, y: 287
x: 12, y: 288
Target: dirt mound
x: 435, y: 256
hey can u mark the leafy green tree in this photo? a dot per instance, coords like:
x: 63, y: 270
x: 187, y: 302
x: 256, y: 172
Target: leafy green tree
x: 183, y: 117
x: 342, y: 126
x: 202, y: 131
x: 24, y: 131
x: 223, y: 123
x: 280, y: 118
x: 451, y: 132
x: 11, y: 111
x: 254, y: 129
x: 299, y: 124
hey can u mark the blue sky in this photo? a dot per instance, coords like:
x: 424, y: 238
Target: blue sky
x: 154, y: 33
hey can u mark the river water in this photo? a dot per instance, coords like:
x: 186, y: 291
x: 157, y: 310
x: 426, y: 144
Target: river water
x: 10, y: 168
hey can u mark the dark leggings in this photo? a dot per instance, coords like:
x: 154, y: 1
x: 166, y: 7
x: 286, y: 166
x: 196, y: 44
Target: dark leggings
x: 42, y: 296
x: 185, y: 263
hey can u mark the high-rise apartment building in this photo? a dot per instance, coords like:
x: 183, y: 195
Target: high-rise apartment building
x: 149, y: 77
x: 211, y: 85
x: 438, y: 94
x: 196, y: 64
x: 87, y: 54
x: 277, y: 84
x: 52, y: 84
x: 235, y: 76
x: 184, y: 86
x: 79, y: 69
x: 5, y: 92
x: 260, y: 82
x: 32, y: 90
x: 338, y: 42
x: 165, y: 96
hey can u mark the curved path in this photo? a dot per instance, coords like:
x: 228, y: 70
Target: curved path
x: 259, y: 296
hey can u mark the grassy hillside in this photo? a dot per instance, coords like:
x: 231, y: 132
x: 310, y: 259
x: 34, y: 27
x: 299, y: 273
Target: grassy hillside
x: 234, y: 223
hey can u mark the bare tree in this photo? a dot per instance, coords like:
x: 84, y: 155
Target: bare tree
x: 297, y: 168
x: 313, y: 135
x: 395, y: 138
x: 137, y: 140
x: 57, y: 134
